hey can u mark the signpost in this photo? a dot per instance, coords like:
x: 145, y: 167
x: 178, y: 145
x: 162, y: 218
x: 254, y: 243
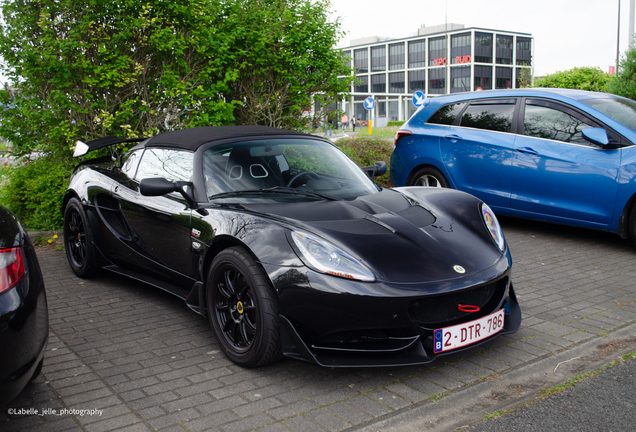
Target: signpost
x: 418, y: 98
x: 369, y: 104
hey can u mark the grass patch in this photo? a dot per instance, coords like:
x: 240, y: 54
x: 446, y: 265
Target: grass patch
x: 437, y: 397
x: 387, y: 133
x: 496, y: 414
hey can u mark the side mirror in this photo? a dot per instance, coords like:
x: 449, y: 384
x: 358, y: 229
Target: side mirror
x: 596, y: 136
x: 378, y: 169
x: 156, y: 187
x: 162, y: 186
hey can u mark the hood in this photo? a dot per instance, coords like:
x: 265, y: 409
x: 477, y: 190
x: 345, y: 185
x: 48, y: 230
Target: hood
x: 417, y: 237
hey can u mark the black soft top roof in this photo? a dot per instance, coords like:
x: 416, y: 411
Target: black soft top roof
x: 193, y: 138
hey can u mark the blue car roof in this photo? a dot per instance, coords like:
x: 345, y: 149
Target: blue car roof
x: 567, y: 93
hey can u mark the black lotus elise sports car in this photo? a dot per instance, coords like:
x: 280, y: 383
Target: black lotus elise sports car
x: 289, y: 248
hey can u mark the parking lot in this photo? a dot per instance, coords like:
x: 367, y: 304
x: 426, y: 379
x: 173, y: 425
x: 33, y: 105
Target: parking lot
x: 125, y: 356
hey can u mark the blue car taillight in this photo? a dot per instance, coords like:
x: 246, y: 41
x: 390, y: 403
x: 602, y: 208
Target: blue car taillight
x: 401, y: 134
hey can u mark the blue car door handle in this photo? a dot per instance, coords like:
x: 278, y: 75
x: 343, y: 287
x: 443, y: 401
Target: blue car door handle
x: 453, y: 137
x: 527, y: 150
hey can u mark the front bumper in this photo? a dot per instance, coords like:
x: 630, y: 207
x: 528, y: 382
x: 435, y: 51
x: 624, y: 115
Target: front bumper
x: 341, y: 323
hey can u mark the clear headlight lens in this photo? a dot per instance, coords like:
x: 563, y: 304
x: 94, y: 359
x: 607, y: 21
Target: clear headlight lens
x: 325, y: 258
x: 492, y: 224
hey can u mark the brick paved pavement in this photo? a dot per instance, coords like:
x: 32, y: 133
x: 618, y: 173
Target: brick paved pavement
x: 149, y: 363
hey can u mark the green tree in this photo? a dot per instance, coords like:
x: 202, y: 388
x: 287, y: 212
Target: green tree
x: 624, y: 82
x: 87, y: 69
x: 285, y: 53
x: 582, y: 78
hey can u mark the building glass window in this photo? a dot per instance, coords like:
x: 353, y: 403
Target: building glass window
x: 410, y: 110
x: 503, y: 78
x: 523, y: 77
x: 437, y: 51
x: 483, y: 48
x: 483, y: 77
x: 504, y: 49
x: 460, y: 48
x: 362, y: 84
x: 361, y: 60
x: 396, y: 56
x: 346, y: 55
x: 394, y: 110
x: 437, y: 81
x: 378, y: 83
x: 460, y: 79
x: 396, y: 82
x: 417, y: 80
x: 524, y: 51
x: 378, y: 59
x: 417, y: 54
x: 360, y: 111
x: 381, y: 107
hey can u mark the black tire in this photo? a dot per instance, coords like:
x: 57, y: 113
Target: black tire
x: 428, y: 176
x: 242, y: 309
x: 78, y: 240
x: 632, y: 224
x: 37, y: 371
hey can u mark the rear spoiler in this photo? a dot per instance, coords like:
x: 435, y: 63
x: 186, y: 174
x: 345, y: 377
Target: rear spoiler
x: 82, y: 148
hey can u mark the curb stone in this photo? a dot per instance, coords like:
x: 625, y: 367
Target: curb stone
x: 468, y: 405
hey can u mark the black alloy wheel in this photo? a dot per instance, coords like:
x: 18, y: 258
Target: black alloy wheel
x: 242, y: 310
x: 78, y: 241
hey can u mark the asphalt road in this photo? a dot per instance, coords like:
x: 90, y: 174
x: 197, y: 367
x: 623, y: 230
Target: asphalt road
x: 605, y: 402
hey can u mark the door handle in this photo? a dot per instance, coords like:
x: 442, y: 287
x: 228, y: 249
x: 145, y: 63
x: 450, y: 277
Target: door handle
x: 527, y: 150
x: 453, y: 137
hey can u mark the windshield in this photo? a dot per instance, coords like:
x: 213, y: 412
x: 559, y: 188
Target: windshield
x: 621, y: 110
x: 300, y: 164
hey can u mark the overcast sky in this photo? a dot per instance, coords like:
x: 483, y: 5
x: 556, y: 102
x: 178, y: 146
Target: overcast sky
x: 567, y: 33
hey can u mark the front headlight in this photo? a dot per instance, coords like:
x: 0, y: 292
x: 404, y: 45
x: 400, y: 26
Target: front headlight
x: 492, y: 224
x: 325, y: 258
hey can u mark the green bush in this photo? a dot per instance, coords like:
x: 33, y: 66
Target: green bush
x: 366, y: 150
x: 34, y: 191
x: 395, y: 123
x: 582, y: 78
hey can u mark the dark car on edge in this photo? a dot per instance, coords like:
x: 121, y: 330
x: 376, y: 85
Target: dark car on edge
x: 289, y: 248
x: 24, y: 319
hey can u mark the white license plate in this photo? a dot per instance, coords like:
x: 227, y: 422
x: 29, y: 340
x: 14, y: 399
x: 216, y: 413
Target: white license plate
x: 460, y: 335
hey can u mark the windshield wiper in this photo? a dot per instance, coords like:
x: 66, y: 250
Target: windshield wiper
x: 277, y: 190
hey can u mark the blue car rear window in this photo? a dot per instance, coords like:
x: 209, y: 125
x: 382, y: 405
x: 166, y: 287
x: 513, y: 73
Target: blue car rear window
x: 447, y: 114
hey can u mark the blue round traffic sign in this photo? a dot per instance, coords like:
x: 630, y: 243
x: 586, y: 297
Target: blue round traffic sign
x: 369, y: 103
x: 418, y: 98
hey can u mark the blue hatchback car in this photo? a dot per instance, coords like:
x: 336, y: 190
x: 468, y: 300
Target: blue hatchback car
x: 555, y: 155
